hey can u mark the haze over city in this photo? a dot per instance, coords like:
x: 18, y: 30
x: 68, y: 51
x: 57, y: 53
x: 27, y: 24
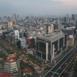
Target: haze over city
x: 38, y: 38
x: 38, y: 7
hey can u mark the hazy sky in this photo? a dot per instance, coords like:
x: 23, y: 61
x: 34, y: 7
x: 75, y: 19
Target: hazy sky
x: 38, y: 7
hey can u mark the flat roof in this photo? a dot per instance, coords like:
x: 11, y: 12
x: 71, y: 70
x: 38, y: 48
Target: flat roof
x: 52, y: 36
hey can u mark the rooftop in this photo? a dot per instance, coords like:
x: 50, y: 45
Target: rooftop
x: 5, y: 74
x: 52, y: 36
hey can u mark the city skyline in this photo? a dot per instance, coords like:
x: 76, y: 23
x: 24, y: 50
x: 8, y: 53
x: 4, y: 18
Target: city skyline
x: 38, y: 7
x: 38, y: 38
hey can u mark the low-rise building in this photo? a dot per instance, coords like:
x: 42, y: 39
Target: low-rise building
x: 11, y: 63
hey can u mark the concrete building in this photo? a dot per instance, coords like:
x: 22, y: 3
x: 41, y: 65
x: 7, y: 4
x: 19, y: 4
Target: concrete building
x: 11, y: 64
x: 49, y: 46
x: 70, y: 41
x: 23, y: 42
x: 70, y: 33
x: 49, y: 28
x: 11, y: 24
x: 16, y: 34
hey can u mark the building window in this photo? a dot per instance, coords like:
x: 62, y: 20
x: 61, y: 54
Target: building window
x: 41, y: 47
x: 61, y: 43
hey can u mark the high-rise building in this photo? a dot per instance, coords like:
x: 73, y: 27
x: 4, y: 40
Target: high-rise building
x: 49, y: 46
x: 49, y: 28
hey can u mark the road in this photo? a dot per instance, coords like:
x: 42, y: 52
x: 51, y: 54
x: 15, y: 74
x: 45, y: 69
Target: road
x: 59, y: 68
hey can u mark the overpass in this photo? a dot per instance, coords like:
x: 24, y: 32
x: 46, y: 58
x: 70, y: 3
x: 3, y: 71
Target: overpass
x: 65, y: 63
